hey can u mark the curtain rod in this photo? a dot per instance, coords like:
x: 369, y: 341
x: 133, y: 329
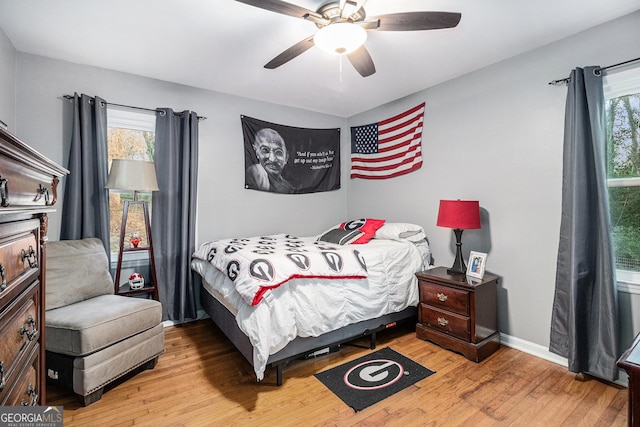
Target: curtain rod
x: 597, y: 71
x: 132, y: 107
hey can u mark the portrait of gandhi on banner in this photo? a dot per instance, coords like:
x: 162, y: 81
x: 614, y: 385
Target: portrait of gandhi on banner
x: 290, y: 160
x: 272, y: 154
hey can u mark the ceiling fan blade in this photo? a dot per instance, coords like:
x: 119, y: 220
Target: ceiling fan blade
x: 286, y: 56
x: 369, y: 25
x: 283, y: 8
x: 415, y: 21
x: 362, y: 62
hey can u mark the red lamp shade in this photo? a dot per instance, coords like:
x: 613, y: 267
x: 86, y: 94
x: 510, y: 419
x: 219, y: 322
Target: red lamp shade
x: 459, y: 215
x: 462, y: 214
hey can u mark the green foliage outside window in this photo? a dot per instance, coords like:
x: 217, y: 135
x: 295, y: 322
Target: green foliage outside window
x: 136, y: 145
x: 623, y: 161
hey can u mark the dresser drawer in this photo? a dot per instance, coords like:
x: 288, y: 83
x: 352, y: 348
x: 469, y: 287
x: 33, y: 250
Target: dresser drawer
x: 26, y: 389
x: 19, y: 257
x: 25, y: 187
x: 447, y: 322
x: 19, y: 333
x: 449, y: 299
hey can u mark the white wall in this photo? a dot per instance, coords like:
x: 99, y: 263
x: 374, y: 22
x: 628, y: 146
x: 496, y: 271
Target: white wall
x: 7, y: 81
x: 225, y: 208
x: 496, y: 136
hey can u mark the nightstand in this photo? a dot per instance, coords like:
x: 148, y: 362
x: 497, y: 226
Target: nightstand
x: 459, y: 313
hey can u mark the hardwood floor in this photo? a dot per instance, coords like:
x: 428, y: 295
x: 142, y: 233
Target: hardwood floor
x: 201, y: 380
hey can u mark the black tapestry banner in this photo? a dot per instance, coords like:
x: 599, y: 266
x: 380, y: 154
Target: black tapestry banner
x: 285, y: 159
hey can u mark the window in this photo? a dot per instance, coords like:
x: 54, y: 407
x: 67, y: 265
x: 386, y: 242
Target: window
x: 622, y: 95
x: 131, y: 135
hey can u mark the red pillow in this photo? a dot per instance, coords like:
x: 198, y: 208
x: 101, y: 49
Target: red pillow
x: 367, y: 225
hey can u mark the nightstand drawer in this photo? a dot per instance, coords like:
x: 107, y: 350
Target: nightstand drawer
x: 447, y: 322
x: 446, y: 298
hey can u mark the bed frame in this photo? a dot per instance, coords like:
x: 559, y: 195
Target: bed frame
x: 300, y: 346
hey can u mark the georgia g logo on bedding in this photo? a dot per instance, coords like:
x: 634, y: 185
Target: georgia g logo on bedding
x: 300, y: 260
x: 233, y: 269
x: 261, y: 269
x: 333, y: 260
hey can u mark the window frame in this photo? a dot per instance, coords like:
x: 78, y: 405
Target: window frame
x: 127, y: 118
x: 624, y: 81
x: 134, y: 119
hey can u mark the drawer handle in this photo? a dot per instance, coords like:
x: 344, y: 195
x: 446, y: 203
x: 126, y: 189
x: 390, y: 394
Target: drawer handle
x: 42, y: 191
x: 442, y: 297
x: 31, y: 257
x: 4, y: 192
x: 31, y: 323
x: 3, y: 380
x: 442, y: 321
x: 3, y: 284
x: 34, y: 397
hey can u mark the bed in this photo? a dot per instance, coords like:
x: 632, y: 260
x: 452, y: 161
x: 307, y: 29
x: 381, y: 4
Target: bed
x: 272, y: 302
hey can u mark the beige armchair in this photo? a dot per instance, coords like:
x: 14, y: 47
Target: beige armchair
x: 94, y: 337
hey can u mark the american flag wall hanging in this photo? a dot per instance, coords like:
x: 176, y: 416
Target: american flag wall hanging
x: 388, y: 148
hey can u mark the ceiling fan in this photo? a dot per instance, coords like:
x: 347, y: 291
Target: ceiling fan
x: 342, y: 28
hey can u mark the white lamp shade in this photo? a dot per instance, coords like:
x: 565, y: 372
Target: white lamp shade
x: 340, y: 38
x: 132, y: 175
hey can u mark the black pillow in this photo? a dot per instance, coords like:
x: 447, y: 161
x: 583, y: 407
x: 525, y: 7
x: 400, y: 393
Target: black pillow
x: 340, y: 236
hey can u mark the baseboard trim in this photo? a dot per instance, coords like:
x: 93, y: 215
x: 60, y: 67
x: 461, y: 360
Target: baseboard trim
x: 532, y: 349
x: 201, y: 315
x: 544, y: 353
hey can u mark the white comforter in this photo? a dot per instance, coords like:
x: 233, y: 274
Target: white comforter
x: 311, y: 307
x: 258, y: 265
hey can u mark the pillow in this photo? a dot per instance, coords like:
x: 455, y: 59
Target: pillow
x: 368, y: 226
x: 400, y: 231
x: 77, y: 270
x: 340, y: 236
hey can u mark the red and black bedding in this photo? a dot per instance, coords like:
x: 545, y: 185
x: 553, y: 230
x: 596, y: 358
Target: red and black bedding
x: 281, y: 287
x: 257, y: 265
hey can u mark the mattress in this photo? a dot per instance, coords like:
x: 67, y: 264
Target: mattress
x: 308, y: 307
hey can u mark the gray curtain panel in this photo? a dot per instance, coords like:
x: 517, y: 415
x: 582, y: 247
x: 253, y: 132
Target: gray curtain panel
x: 85, y: 209
x: 174, y: 211
x: 584, y: 323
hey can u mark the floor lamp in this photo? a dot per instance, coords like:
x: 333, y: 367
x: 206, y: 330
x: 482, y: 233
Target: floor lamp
x: 138, y: 177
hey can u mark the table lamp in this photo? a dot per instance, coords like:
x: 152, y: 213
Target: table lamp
x: 459, y: 215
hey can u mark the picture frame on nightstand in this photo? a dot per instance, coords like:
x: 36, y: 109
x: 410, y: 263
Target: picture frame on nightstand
x: 477, y: 264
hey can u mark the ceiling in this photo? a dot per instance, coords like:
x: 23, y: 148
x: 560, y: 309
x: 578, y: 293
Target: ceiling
x: 222, y: 45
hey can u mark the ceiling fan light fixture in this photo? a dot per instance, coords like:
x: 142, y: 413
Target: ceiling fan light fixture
x: 340, y: 38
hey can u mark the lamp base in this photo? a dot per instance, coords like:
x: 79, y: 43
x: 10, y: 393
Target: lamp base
x: 458, y: 267
x: 452, y: 271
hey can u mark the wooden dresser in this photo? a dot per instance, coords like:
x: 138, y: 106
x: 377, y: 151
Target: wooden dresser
x: 459, y: 313
x: 28, y: 191
x: 630, y: 362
